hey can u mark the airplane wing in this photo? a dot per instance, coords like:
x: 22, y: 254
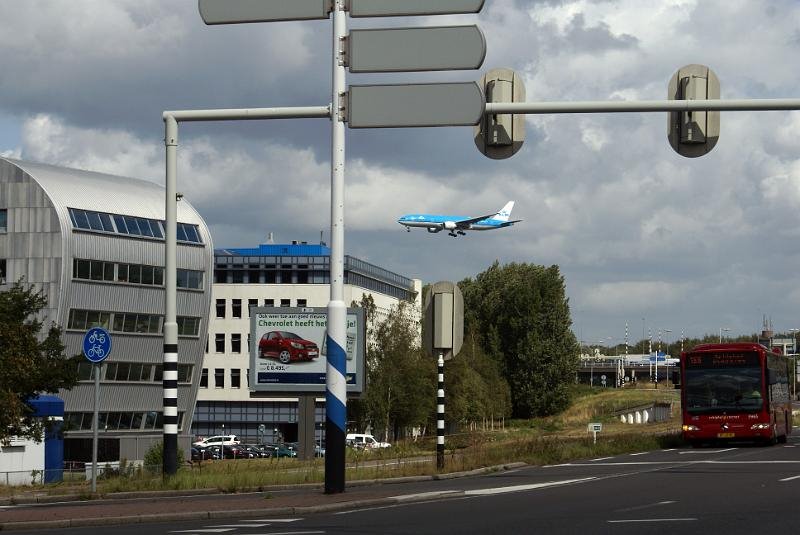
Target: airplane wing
x: 465, y: 223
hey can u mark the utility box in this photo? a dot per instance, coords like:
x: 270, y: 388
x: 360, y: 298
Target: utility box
x: 500, y: 135
x: 443, y: 320
x: 693, y: 133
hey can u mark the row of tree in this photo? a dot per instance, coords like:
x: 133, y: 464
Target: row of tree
x: 518, y: 359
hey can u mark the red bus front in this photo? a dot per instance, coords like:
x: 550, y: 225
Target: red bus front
x: 734, y: 392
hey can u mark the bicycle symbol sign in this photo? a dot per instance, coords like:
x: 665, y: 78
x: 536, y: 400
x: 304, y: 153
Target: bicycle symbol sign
x: 96, y: 344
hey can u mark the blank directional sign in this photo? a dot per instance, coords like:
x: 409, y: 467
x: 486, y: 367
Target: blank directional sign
x: 240, y: 11
x: 436, y: 48
x: 397, y: 8
x: 407, y: 105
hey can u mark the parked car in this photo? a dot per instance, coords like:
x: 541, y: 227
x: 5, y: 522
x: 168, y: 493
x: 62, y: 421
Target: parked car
x: 286, y: 347
x: 364, y: 441
x: 280, y: 450
x: 202, y: 454
x: 257, y: 451
x: 228, y: 440
x: 232, y: 452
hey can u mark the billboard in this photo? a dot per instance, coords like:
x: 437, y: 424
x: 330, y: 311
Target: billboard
x: 289, y: 348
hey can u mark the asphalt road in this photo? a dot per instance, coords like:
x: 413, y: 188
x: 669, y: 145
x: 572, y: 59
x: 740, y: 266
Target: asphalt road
x: 731, y: 490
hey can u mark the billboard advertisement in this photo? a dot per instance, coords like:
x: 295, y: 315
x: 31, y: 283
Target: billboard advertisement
x: 289, y: 347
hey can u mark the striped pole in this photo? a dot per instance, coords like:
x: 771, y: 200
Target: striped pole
x: 335, y: 381
x: 170, y: 362
x: 440, y: 416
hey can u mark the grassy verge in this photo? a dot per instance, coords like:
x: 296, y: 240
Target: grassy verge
x: 553, y: 440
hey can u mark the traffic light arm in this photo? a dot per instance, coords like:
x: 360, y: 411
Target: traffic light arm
x: 600, y: 106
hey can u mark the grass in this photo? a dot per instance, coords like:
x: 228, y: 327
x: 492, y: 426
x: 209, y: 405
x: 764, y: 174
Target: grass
x: 541, y: 441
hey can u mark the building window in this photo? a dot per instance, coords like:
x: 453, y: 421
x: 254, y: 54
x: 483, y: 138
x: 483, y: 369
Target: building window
x: 236, y: 308
x: 219, y: 377
x: 269, y: 302
x: 251, y: 303
x: 236, y: 378
x: 2, y: 270
x: 302, y: 303
x: 236, y: 342
x: 248, y: 377
x: 219, y: 343
x: 286, y: 302
x: 220, y: 308
x: 204, y: 378
x: 4, y: 220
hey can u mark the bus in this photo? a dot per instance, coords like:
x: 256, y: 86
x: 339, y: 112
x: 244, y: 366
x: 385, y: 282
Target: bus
x: 736, y: 391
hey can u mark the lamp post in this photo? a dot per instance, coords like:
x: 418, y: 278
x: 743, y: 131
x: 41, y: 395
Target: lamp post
x: 794, y: 362
x: 720, y: 333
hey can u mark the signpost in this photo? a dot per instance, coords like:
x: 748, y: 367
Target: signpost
x: 242, y: 11
x: 432, y: 48
x: 399, y: 8
x: 595, y: 428
x: 407, y: 105
x: 96, y: 348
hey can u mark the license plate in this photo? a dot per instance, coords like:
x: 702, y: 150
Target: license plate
x: 726, y: 435
x: 312, y: 353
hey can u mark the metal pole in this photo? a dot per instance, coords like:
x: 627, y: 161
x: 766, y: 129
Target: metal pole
x: 335, y: 382
x: 641, y: 106
x: 170, y: 362
x: 95, y: 425
x: 440, y: 415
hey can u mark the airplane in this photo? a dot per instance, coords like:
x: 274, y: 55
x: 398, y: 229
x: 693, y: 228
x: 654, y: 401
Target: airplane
x: 457, y: 225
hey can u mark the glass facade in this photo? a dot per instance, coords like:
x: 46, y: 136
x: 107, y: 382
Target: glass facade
x: 139, y: 227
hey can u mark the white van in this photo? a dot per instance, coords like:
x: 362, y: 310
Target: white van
x: 225, y: 440
x: 364, y: 441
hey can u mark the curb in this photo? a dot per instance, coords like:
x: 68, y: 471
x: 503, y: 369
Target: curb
x: 255, y: 513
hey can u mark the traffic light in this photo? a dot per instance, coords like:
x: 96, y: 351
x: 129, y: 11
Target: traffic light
x: 693, y: 133
x: 500, y: 136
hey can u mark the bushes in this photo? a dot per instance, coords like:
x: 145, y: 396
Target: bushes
x: 154, y: 457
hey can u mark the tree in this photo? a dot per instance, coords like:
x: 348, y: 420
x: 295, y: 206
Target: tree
x: 30, y: 362
x: 401, y: 380
x: 521, y: 313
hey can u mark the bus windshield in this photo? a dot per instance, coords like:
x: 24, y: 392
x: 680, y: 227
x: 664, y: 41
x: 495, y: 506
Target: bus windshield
x: 723, y: 389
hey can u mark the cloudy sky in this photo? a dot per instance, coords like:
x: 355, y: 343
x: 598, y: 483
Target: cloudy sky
x: 641, y: 234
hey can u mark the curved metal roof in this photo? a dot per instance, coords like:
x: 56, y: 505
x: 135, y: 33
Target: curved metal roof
x: 88, y: 190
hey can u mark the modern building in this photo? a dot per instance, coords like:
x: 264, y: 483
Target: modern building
x: 273, y: 275
x: 94, y: 243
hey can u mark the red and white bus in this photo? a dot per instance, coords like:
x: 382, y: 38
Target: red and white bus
x: 737, y: 391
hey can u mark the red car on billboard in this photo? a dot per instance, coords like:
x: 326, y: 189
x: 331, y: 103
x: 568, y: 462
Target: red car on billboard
x: 286, y: 347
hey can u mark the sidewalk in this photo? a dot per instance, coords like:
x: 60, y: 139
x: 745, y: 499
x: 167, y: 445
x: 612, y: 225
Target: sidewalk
x: 139, y: 507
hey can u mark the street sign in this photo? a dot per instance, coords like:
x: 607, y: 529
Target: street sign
x: 435, y: 48
x: 414, y: 105
x: 96, y: 344
x: 397, y: 8
x: 242, y: 11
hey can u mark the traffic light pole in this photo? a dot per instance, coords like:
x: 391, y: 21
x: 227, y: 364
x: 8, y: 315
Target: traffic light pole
x: 599, y: 106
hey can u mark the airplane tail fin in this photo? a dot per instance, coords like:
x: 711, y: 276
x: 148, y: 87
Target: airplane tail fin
x: 505, y: 213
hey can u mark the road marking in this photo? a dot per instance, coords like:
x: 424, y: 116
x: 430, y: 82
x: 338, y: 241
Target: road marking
x: 273, y: 520
x: 651, y: 520
x: 789, y: 478
x: 600, y: 459
x: 640, y: 453
x: 425, y: 495
x: 204, y: 530
x: 671, y: 449
x: 242, y: 525
x: 692, y: 452
x: 520, y: 488
x: 640, y: 507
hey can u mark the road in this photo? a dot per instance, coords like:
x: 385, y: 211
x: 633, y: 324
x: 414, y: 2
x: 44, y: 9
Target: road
x: 731, y: 490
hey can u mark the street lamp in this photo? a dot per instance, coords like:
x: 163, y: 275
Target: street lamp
x: 720, y: 333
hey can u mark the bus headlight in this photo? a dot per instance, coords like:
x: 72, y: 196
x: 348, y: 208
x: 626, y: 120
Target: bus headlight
x: 691, y: 428
x: 760, y: 426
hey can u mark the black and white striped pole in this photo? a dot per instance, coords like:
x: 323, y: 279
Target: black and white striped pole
x: 442, y: 336
x: 440, y: 415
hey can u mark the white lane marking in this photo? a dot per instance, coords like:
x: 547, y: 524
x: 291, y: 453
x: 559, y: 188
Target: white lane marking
x: 273, y: 520
x: 204, y: 530
x: 640, y: 453
x: 695, y: 452
x: 651, y: 520
x: 600, y: 459
x: 425, y: 495
x: 671, y: 449
x: 646, y: 506
x: 789, y: 478
x: 520, y: 488
x: 289, y: 533
x: 242, y: 525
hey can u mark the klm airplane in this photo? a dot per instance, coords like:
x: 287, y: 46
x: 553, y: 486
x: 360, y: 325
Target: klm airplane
x: 457, y: 225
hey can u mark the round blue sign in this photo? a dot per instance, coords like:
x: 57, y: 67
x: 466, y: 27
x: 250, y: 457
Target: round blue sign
x: 96, y: 344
